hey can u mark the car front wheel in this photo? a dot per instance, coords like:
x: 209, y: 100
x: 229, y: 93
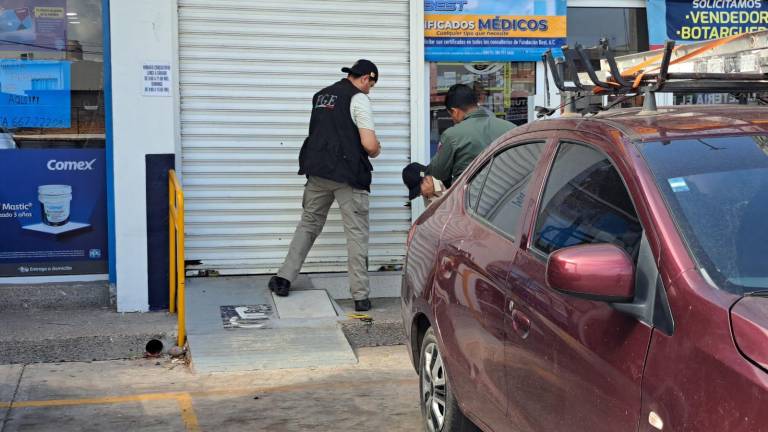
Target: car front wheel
x: 439, y: 408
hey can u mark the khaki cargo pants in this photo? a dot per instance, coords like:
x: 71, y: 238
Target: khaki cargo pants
x: 319, y: 194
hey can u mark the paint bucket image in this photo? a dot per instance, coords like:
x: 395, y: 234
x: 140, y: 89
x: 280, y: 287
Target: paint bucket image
x: 54, y: 203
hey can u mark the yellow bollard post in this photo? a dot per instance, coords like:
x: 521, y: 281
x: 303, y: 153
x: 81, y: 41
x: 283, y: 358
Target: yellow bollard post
x: 176, y: 277
x: 171, y: 242
x: 181, y: 276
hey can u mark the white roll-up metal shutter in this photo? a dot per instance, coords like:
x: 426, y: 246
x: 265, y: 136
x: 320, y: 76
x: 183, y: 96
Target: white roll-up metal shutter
x: 248, y: 70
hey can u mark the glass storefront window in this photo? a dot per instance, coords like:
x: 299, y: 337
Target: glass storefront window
x: 53, y: 204
x: 51, y: 73
x: 502, y: 89
x: 626, y: 29
x: 721, y: 98
x: 705, y: 99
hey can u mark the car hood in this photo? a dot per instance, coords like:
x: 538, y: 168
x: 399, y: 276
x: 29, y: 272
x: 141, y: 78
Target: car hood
x: 749, y: 321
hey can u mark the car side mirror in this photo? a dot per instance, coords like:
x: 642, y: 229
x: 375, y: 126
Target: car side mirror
x: 601, y: 272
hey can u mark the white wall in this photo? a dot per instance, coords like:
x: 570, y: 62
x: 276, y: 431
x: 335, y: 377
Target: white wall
x: 142, y: 31
x: 540, y: 99
x: 419, y: 97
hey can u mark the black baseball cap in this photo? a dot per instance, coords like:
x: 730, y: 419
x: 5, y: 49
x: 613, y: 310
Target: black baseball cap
x: 363, y: 67
x: 413, y: 173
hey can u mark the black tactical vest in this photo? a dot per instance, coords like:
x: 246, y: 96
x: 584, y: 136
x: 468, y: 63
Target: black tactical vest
x: 333, y: 150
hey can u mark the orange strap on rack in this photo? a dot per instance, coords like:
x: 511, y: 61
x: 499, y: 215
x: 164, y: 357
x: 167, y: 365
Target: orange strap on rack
x: 695, y: 53
x: 641, y: 71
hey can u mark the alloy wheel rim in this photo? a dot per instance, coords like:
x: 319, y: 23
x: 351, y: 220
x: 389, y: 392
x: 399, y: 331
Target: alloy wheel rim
x: 433, y: 388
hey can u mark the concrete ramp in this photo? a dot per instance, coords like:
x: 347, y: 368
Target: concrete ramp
x: 235, y: 324
x: 310, y: 304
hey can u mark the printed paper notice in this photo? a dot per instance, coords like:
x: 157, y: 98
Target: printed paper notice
x: 157, y: 79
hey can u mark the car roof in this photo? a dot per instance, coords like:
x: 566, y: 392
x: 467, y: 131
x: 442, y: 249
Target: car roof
x: 676, y: 122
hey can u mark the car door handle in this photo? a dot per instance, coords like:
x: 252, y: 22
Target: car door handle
x: 521, y: 324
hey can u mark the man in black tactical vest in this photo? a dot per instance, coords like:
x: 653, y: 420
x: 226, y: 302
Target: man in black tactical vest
x: 334, y: 158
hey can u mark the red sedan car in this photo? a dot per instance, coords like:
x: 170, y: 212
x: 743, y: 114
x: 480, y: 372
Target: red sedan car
x: 604, y: 273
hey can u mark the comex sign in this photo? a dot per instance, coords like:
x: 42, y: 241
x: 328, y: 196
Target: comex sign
x: 445, y: 5
x: 54, y: 165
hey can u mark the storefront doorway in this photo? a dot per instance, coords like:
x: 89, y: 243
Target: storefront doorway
x: 247, y: 75
x: 504, y: 89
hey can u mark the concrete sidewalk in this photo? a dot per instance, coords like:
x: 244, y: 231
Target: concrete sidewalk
x: 102, y: 334
x: 84, y: 331
x: 378, y: 394
x: 80, y: 334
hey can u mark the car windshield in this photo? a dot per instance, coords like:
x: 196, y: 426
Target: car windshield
x: 717, y: 191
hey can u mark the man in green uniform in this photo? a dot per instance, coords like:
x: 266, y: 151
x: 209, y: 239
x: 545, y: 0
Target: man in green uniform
x: 473, y: 131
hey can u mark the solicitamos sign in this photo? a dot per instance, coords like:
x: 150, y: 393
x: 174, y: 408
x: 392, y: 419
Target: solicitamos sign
x: 687, y: 21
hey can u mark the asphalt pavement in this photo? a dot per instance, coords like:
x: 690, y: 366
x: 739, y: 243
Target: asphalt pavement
x: 380, y: 393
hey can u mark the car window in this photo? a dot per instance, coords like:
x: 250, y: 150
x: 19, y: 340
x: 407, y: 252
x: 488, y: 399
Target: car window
x: 717, y: 192
x: 503, y: 194
x: 476, y: 185
x: 585, y: 201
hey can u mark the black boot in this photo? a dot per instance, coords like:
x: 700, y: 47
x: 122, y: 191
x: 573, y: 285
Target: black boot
x: 279, y: 286
x: 363, y: 305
